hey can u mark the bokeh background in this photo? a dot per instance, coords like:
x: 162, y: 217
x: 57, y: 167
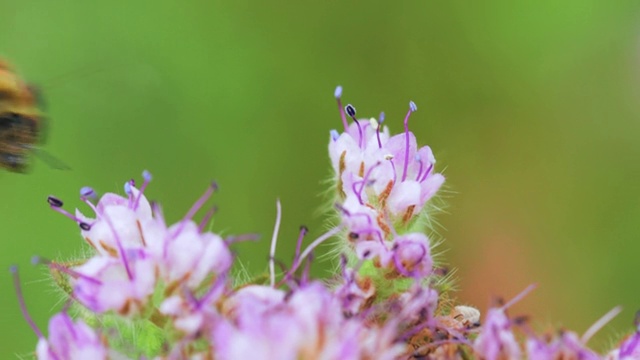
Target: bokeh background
x: 531, y: 108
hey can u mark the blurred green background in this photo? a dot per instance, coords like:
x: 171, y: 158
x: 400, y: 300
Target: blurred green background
x: 531, y: 108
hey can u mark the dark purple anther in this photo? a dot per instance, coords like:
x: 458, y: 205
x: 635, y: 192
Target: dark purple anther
x: 54, y: 202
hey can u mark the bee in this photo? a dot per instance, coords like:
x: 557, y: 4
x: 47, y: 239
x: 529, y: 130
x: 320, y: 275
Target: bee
x: 22, y: 123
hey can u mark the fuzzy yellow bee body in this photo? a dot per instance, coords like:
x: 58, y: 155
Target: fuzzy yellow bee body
x: 21, y: 120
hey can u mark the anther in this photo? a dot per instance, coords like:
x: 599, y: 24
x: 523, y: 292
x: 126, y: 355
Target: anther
x: 84, y: 226
x: 39, y: 260
x: 351, y: 111
x: 54, y: 202
x: 338, y: 92
x: 87, y: 192
x: 146, y: 175
x: 334, y: 135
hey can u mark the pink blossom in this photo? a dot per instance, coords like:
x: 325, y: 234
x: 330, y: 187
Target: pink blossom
x: 566, y: 345
x: 411, y: 255
x: 70, y: 340
x: 307, y: 324
x: 109, y: 284
x: 418, y: 304
x: 190, y: 256
x: 191, y: 315
x: 496, y: 341
x: 121, y: 222
x: 399, y: 174
x: 355, y: 293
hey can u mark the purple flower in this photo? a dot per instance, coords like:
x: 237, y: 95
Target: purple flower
x: 411, y: 255
x: 108, y: 284
x: 121, y: 222
x: 356, y: 293
x: 67, y: 339
x: 629, y: 349
x: 566, y: 345
x: 418, y: 305
x: 496, y: 341
x: 194, y: 316
x: 306, y: 324
x: 70, y: 340
x: 190, y: 256
x: 386, y: 172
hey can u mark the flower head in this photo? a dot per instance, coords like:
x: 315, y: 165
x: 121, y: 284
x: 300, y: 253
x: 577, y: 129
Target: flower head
x: 389, y: 173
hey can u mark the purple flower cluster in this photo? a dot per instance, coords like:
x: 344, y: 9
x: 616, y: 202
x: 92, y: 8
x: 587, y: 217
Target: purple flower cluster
x: 150, y: 290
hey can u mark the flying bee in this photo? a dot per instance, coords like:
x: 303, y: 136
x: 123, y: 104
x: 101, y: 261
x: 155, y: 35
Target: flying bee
x: 22, y: 124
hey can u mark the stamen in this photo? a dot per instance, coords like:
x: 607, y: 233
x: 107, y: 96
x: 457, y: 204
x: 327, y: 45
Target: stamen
x: 393, y: 166
x: 351, y: 111
x: 274, y: 240
x: 127, y: 190
x: 426, y: 173
x: 380, y: 121
x: 215, y: 291
x: 303, y: 231
x: 420, y: 168
x: 315, y: 243
x: 56, y: 205
x: 593, y: 329
x: 23, y: 306
x: 412, y: 108
x: 306, y: 272
x: 120, y: 248
x: 245, y: 237
x: 70, y: 328
x: 364, y: 182
x: 519, y: 297
x: 147, y: 179
x: 157, y: 213
x: 38, y: 260
x: 290, y: 273
x: 54, y: 202
x: 198, y: 204
x: 206, y: 218
x: 338, y: 95
x: 343, y: 268
x: 87, y: 192
x: 334, y: 134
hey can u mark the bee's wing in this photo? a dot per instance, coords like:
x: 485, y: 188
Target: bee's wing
x: 50, y: 160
